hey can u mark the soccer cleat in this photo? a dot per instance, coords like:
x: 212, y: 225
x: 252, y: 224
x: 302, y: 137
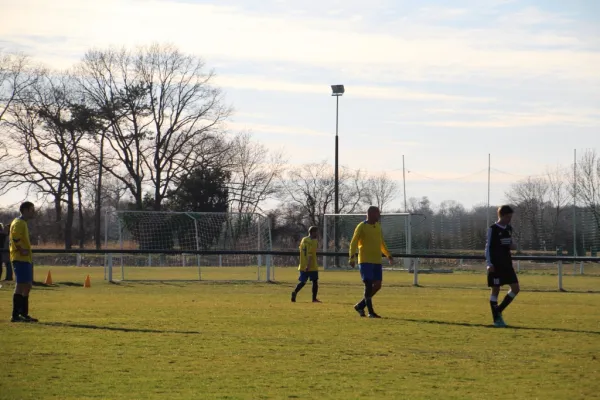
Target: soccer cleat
x: 360, y: 311
x: 294, y: 297
x: 17, y: 319
x: 317, y: 301
x: 499, y: 322
x: 29, y: 318
x: 373, y: 315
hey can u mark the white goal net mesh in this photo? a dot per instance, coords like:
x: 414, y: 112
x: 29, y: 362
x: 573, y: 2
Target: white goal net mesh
x: 340, y: 228
x: 166, y: 231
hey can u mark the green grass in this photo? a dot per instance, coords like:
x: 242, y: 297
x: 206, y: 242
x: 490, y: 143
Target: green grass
x: 199, y: 340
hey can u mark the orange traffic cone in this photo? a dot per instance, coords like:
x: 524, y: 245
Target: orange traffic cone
x: 88, y: 282
x: 48, y: 280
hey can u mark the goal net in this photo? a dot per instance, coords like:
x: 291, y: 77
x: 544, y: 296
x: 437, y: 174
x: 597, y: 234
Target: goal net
x: 339, y: 228
x: 167, y: 231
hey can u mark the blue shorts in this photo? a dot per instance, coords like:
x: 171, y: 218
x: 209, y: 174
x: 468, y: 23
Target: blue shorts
x: 23, y: 271
x: 306, y: 275
x: 371, y: 272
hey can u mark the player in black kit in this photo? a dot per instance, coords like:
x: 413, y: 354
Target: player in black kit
x: 500, y: 270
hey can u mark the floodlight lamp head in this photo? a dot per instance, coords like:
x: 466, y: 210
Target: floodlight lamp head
x: 337, y: 90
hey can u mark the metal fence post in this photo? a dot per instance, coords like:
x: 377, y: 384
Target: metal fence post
x: 415, y: 272
x: 560, y: 276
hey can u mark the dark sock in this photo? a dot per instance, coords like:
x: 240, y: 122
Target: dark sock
x: 494, y: 307
x: 299, y: 286
x: 17, y: 305
x: 361, y: 305
x: 369, y: 302
x: 25, y: 307
x: 315, y: 289
x: 507, y: 300
x: 368, y: 296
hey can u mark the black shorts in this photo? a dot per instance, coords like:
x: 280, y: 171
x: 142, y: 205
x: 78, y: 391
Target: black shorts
x: 502, y: 276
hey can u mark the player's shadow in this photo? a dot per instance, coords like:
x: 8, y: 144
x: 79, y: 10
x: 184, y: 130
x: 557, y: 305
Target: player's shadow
x: 527, y: 328
x: 116, y: 328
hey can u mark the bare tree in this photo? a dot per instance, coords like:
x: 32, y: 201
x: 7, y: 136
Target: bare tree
x: 186, y: 112
x: 311, y: 188
x: 558, y: 197
x: 254, y: 174
x: 46, y: 131
x: 530, y: 196
x: 588, y: 183
x: 16, y: 75
x: 171, y: 120
x: 380, y: 191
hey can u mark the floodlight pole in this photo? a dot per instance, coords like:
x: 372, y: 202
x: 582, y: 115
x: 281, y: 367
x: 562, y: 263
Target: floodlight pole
x: 337, y: 91
x: 337, y: 175
x: 336, y: 182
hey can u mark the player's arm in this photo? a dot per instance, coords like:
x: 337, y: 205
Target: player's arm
x: 488, y: 251
x: 354, y: 245
x: 19, y: 236
x: 305, y: 253
x: 385, y: 250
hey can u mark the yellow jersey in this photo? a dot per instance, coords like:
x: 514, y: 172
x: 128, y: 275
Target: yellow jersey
x: 368, y: 240
x: 19, y: 240
x: 308, y: 248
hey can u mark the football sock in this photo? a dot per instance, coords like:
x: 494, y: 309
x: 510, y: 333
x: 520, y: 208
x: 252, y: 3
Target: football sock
x: 25, y: 308
x: 510, y: 296
x: 315, y: 289
x: 17, y: 305
x: 299, y: 286
x: 494, y: 307
x: 369, y: 302
x: 361, y: 304
x: 368, y: 296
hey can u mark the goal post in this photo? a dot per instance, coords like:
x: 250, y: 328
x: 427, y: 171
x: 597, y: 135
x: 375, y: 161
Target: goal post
x: 156, y: 231
x: 339, y: 228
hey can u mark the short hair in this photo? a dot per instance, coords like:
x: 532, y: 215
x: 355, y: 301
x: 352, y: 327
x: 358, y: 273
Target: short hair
x: 312, y: 229
x: 372, y: 208
x: 505, y: 210
x: 25, y: 206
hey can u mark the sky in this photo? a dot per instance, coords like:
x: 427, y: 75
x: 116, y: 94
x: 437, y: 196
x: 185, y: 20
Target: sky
x: 444, y: 83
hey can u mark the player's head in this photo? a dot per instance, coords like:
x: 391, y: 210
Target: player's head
x: 373, y: 214
x: 505, y: 214
x: 27, y: 210
x: 313, y: 232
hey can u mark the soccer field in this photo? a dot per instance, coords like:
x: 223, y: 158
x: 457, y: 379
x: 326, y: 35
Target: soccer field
x: 201, y: 340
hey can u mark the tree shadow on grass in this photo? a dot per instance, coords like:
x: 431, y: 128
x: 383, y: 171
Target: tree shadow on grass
x: 115, y: 328
x: 467, y: 324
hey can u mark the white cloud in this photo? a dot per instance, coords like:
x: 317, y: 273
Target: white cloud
x: 483, y: 118
x: 533, y: 16
x: 409, y: 51
x: 275, y: 129
x: 372, y: 92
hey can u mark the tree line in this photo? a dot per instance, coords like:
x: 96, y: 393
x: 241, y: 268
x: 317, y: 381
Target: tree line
x: 146, y: 129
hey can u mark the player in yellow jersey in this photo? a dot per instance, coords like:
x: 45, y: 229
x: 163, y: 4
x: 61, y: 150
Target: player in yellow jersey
x: 368, y: 240
x: 22, y: 261
x: 308, y: 264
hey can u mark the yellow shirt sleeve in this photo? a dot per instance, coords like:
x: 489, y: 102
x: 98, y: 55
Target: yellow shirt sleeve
x: 303, y: 254
x: 355, y: 240
x: 19, y: 240
x: 384, y: 248
x: 20, y: 236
